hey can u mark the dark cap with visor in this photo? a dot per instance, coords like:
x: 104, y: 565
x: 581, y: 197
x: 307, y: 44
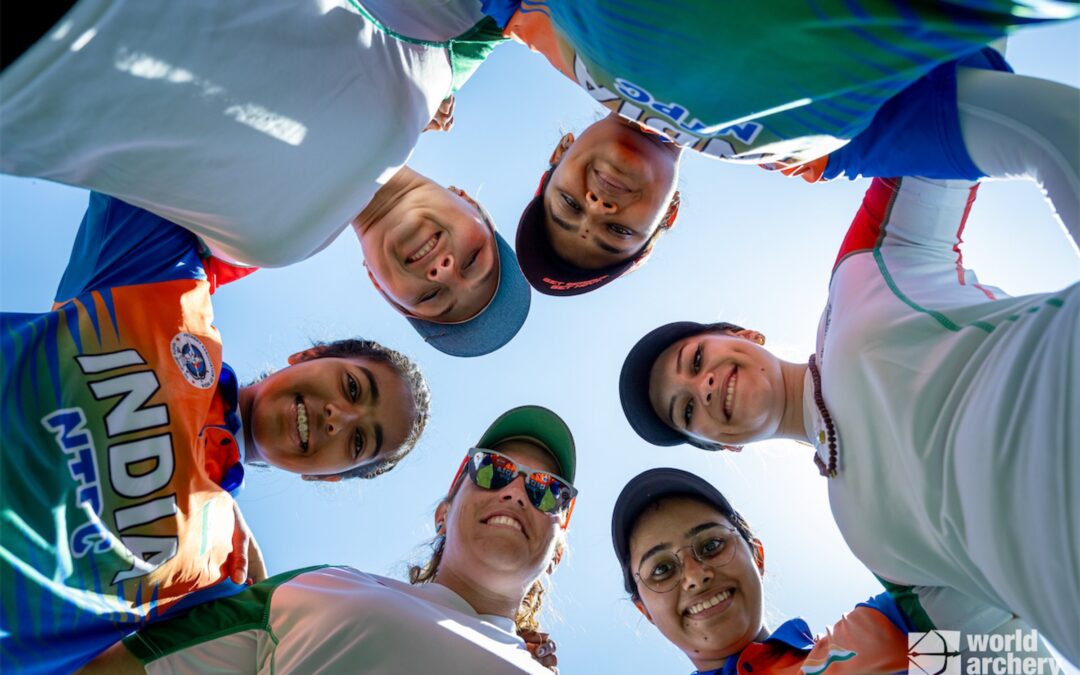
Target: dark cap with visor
x: 648, y: 488
x: 634, y: 380
x: 495, y: 325
x: 542, y: 266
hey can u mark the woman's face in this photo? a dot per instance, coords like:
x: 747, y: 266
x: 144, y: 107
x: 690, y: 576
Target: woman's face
x: 609, y: 192
x: 328, y: 415
x: 497, y: 538
x: 433, y: 255
x: 720, y: 387
x: 713, y: 612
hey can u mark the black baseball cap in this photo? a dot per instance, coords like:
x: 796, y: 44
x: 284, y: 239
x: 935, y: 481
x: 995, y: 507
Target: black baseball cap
x: 650, y: 487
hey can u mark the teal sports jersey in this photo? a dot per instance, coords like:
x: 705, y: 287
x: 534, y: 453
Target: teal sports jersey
x: 785, y: 81
x: 118, y: 445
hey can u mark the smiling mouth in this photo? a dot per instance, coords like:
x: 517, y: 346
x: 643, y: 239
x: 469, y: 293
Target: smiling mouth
x: 302, y: 429
x: 424, y: 249
x: 715, y: 600
x: 729, y: 393
x: 505, y: 521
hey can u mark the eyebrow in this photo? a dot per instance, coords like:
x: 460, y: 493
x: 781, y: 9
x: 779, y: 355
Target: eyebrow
x: 373, y: 387
x: 678, y: 370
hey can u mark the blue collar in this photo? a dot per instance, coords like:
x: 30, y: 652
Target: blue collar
x: 229, y: 390
x: 793, y: 634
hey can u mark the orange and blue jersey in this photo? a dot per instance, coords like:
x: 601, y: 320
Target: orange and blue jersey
x: 120, y: 450
x: 872, y: 638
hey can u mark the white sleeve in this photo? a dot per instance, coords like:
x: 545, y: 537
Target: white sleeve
x: 249, y: 651
x: 928, y: 213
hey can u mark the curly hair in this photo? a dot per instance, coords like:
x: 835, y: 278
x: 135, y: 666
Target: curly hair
x: 409, y: 372
x: 527, y: 617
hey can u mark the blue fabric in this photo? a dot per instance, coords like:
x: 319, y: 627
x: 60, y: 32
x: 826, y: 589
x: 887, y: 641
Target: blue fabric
x: 229, y: 390
x: 500, y: 10
x: 884, y: 603
x: 917, y: 132
x: 122, y: 245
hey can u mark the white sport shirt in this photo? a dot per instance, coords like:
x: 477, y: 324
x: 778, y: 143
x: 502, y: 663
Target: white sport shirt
x: 957, y: 411
x: 335, y: 620
x: 264, y: 127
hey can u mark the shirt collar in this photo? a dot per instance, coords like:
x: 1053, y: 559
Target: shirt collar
x: 793, y: 634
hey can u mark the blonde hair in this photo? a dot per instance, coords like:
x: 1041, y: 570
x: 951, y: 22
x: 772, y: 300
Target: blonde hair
x: 527, y: 617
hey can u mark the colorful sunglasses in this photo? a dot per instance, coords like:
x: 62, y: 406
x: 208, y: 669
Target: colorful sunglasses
x: 491, y: 470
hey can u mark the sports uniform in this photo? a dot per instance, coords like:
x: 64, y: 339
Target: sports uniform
x: 955, y: 412
x: 758, y: 82
x: 264, y: 128
x: 120, y: 446
x: 335, y: 620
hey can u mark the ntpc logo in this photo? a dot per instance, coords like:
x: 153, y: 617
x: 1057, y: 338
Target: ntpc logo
x: 934, y: 653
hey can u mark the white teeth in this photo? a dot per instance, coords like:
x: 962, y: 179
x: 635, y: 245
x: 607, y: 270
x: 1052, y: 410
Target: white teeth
x: 424, y: 250
x: 711, y: 602
x: 729, y: 395
x: 504, y: 520
x: 302, y: 423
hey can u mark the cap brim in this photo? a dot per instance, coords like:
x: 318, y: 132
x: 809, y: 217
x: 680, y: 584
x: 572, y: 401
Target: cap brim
x: 544, y: 269
x: 539, y: 423
x: 648, y: 488
x: 492, y: 328
x: 634, y: 382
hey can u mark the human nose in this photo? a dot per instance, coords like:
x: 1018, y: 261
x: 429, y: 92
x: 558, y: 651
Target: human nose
x: 442, y: 267
x: 695, y: 574
x: 706, y: 385
x: 341, y: 417
x: 594, y: 202
x: 515, y: 491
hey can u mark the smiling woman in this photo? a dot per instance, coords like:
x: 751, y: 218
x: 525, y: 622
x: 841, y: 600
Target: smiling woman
x: 471, y: 609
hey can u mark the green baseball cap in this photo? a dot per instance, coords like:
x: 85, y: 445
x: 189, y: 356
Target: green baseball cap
x: 535, y: 423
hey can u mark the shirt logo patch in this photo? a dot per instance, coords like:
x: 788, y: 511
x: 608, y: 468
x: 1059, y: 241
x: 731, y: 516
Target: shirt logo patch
x: 193, y: 360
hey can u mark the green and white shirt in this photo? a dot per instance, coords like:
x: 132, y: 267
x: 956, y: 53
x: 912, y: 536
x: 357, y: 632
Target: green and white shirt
x: 955, y: 407
x: 335, y: 620
x: 265, y: 128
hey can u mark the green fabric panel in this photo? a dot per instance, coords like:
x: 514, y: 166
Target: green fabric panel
x: 247, y: 610
x: 908, y: 600
x: 472, y: 48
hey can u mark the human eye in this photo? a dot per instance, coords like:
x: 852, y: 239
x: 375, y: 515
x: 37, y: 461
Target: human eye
x: 688, y: 412
x: 620, y: 230
x: 696, y: 364
x: 711, y: 546
x: 662, y: 569
x: 352, y: 387
x: 569, y: 201
x: 427, y: 297
x: 472, y: 259
x: 358, y: 444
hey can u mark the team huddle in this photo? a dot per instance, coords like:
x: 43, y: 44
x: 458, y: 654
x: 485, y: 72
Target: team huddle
x: 126, y: 437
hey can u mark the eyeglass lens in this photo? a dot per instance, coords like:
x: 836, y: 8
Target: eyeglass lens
x: 662, y: 571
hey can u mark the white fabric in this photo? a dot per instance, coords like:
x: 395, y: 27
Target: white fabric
x: 264, y: 127
x: 340, y: 620
x: 956, y: 409
x: 1015, y: 126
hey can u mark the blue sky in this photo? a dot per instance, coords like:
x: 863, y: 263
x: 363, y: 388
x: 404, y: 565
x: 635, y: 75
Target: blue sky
x: 750, y: 247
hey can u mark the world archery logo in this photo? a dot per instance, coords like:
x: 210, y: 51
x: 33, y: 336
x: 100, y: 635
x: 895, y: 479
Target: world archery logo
x: 193, y: 360
x: 934, y: 653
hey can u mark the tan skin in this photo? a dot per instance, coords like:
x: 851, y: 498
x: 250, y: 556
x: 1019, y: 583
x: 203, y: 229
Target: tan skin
x: 728, y: 388
x: 321, y: 417
x: 428, y: 249
x: 609, y: 192
x: 707, y: 636
x: 490, y: 565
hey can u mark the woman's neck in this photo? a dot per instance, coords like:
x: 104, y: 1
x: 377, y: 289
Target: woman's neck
x: 245, y: 400
x: 791, y: 422
x: 480, y: 596
x: 705, y: 665
x: 400, y: 184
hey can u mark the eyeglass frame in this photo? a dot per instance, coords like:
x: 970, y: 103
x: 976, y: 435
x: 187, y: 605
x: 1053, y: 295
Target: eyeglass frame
x: 735, y: 534
x: 564, y: 516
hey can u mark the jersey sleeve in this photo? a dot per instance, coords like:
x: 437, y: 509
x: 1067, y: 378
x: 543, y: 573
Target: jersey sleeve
x: 872, y: 638
x: 122, y: 245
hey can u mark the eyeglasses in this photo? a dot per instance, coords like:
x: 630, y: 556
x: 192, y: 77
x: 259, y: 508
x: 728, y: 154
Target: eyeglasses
x: 661, y: 571
x: 491, y: 470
